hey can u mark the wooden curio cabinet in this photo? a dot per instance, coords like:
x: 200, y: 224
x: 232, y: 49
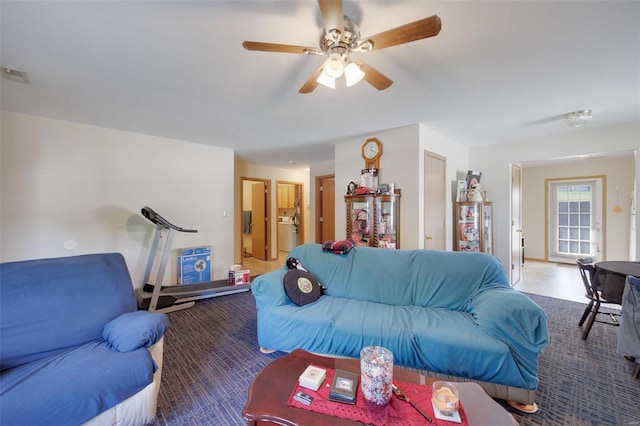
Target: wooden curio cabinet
x: 374, y: 220
x: 474, y: 227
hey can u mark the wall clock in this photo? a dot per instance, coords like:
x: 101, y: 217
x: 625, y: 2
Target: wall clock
x: 371, y: 152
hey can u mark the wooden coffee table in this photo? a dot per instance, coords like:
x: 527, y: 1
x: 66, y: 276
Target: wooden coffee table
x: 270, y: 390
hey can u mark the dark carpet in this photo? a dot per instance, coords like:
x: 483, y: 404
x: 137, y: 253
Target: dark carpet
x: 211, y: 356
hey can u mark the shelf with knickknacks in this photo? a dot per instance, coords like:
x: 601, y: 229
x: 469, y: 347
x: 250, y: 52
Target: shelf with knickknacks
x: 373, y: 209
x: 373, y: 219
x: 474, y: 216
x: 474, y: 226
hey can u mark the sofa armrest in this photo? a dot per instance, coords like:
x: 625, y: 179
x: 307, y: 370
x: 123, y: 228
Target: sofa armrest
x: 134, y: 330
x: 512, y: 318
x: 268, y: 289
x: 142, y: 407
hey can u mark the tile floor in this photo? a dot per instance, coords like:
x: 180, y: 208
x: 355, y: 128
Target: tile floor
x: 558, y: 280
x: 561, y: 281
x: 259, y: 267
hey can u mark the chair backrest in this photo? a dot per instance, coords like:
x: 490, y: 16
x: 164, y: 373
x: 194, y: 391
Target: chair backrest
x: 587, y: 270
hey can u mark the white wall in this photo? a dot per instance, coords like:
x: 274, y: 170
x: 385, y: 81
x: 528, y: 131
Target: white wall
x: 620, y: 175
x: 402, y: 163
x: 244, y: 169
x: 79, y: 186
x: 457, y: 164
x: 82, y: 185
x: 399, y: 164
x: 494, y: 161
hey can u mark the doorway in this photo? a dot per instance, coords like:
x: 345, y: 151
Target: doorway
x: 290, y: 214
x: 575, y: 209
x: 255, y: 229
x: 517, y: 242
x: 325, y: 208
x: 435, y: 201
x: 619, y: 168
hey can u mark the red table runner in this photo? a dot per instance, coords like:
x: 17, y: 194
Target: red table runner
x: 395, y: 413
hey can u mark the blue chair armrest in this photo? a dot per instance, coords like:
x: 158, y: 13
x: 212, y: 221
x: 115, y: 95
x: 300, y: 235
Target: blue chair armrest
x: 135, y: 330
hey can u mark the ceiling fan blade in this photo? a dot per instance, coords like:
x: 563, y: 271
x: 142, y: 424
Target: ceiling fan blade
x: 282, y: 48
x: 332, y: 16
x: 312, y: 83
x: 373, y: 76
x: 424, y: 28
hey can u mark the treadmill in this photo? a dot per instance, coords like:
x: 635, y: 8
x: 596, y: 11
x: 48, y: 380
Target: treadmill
x: 158, y: 298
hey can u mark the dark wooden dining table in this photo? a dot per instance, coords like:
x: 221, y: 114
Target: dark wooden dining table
x: 610, y: 276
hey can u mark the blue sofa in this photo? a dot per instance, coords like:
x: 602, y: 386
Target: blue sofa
x: 73, y: 347
x: 450, y: 315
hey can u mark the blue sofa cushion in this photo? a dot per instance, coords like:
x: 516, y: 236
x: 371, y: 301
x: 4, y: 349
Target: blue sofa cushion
x: 432, y: 339
x: 73, y: 386
x: 139, y: 329
x: 50, y: 305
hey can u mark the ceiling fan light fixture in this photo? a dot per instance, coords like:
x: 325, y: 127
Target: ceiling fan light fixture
x: 327, y: 80
x: 334, y: 65
x: 578, y: 118
x: 353, y: 74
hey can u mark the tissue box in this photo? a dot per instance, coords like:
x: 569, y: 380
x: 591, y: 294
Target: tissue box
x: 240, y: 277
x: 232, y: 272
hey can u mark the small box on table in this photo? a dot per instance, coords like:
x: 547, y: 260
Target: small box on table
x: 312, y: 377
x: 344, y: 386
x: 242, y: 277
x: 239, y: 276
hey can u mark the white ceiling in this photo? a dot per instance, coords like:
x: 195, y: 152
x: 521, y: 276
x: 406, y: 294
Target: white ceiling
x: 499, y: 71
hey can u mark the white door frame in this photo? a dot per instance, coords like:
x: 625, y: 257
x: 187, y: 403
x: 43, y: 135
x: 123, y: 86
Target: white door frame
x: 598, y: 219
x: 515, y: 273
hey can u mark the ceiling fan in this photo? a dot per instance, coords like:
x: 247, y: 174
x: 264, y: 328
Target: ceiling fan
x: 341, y: 37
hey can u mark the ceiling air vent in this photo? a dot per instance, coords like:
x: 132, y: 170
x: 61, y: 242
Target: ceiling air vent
x: 15, y: 75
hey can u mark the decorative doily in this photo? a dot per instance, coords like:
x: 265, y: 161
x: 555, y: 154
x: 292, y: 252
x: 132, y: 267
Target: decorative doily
x: 397, y: 412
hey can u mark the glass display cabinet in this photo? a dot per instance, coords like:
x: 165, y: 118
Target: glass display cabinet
x: 387, y: 224
x: 360, y: 219
x: 474, y: 227
x: 373, y: 220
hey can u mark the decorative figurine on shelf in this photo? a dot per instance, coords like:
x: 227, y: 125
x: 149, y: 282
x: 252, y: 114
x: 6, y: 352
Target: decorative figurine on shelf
x: 369, y: 180
x: 360, y: 223
x: 475, y: 194
x: 351, y: 188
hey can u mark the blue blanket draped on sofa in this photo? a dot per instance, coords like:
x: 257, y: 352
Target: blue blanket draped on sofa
x: 446, y: 312
x: 72, y: 341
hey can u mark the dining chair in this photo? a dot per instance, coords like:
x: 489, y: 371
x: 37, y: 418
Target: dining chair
x: 591, y: 312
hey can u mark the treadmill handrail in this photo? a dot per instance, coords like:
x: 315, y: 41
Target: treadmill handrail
x: 154, y: 217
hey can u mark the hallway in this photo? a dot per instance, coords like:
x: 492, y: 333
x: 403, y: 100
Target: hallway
x: 259, y: 267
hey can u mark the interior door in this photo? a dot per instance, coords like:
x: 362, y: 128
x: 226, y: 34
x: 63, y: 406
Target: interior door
x: 326, y: 208
x: 516, y: 225
x: 435, y: 199
x: 258, y: 220
x: 300, y: 216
